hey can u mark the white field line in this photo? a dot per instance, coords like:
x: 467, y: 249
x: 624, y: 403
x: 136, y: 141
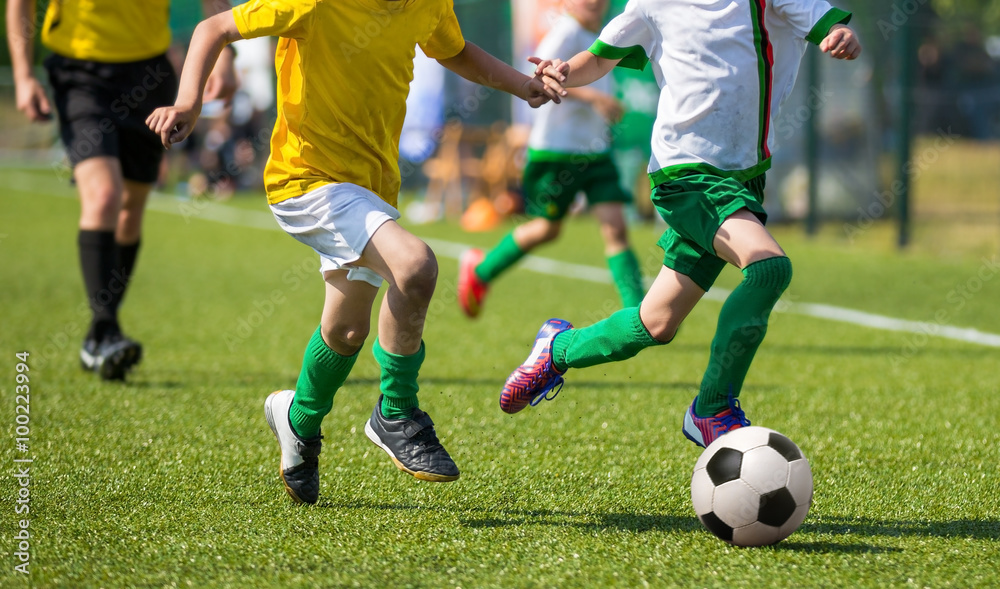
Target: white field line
x: 208, y: 211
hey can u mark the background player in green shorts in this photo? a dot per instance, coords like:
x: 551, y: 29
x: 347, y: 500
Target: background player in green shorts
x: 568, y: 152
x: 723, y: 76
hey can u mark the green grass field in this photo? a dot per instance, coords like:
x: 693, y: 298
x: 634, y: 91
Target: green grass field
x: 171, y: 479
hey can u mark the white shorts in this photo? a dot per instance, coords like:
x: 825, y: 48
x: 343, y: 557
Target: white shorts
x: 337, y: 221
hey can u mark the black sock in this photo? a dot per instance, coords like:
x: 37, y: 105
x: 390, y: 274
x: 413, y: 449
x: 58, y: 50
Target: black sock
x: 98, y: 255
x: 122, y: 274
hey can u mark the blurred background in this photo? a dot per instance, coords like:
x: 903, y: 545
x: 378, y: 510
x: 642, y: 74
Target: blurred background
x: 902, y: 146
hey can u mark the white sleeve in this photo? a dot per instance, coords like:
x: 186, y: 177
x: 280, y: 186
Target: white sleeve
x: 810, y: 19
x: 629, y: 37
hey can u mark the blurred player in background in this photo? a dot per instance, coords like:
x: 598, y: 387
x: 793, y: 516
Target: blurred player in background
x: 108, y: 71
x: 569, y: 151
x: 723, y: 76
x: 332, y: 182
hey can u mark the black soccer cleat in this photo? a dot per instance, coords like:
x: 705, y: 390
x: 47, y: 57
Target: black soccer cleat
x: 112, y: 357
x: 412, y: 444
x: 299, y: 464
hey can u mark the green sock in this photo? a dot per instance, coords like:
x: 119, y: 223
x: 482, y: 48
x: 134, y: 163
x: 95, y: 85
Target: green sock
x: 625, y: 272
x: 398, y: 381
x: 323, y: 372
x: 742, y: 325
x: 619, y: 337
x: 499, y: 259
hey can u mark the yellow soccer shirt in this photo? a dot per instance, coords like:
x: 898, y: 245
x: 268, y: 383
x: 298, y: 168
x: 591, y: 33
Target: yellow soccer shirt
x: 110, y: 31
x: 344, y: 69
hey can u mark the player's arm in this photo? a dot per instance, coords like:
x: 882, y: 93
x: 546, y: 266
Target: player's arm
x: 31, y: 99
x: 174, y: 123
x: 581, y: 69
x: 605, y: 104
x: 841, y: 43
x: 819, y: 23
x: 476, y: 65
x: 222, y: 82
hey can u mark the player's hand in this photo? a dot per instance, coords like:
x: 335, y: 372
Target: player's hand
x: 172, y: 123
x: 222, y: 83
x: 841, y: 43
x: 609, y: 108
x: 536, y: 94
x: 552, y: 73
x: 32, y: 101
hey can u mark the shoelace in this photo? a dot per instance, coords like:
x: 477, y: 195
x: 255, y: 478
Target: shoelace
x: 736, y: 415
x: 543, y: 395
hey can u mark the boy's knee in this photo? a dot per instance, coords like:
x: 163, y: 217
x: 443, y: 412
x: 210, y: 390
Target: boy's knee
x: 662, y: 331
x: 419, y: 277
x: 347, y: 338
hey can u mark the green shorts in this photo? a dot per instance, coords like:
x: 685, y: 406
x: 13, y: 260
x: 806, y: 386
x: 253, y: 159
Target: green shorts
x: 694, y: 208
x: 551, y: 185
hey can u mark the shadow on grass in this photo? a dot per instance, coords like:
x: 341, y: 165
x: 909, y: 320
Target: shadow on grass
x: 963, y: 528
x: 430, y: 382
x: 832, y: 548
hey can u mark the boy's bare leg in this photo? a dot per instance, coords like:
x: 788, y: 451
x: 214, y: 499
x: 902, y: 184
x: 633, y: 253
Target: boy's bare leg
x: 410, y: 268
x: 742, y: 241
x: 295, y: 416
x: 347, y: 310
x: 397, y: 425
x: 536, y: 232
x: 669, y: 301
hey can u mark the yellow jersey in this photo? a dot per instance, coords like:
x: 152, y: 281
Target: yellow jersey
x: 344, y: 70
x: 110, y: 31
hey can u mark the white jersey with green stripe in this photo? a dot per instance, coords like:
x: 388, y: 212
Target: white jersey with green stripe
x: 723, y: 68
x: 573, y: 127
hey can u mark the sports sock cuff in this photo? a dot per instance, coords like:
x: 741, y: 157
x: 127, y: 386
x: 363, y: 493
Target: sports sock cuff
x: 773, y: 273
x: 398, y: 381
x: 89, y: 237
x: 326, y: 357
x: 560, y: 343
x: 398, y: 362
x: 640, y: 332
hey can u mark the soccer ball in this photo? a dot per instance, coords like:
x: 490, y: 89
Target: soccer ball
x: 752, y: 487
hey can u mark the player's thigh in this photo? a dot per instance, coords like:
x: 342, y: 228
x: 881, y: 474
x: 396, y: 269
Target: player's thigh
x: 742, y: 239
x: 401, y: 258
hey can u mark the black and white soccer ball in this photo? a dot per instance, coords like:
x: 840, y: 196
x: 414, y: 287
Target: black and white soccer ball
x: 752, y: 487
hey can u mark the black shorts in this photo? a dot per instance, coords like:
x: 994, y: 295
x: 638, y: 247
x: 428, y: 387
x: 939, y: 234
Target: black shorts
x: 103, y: 108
